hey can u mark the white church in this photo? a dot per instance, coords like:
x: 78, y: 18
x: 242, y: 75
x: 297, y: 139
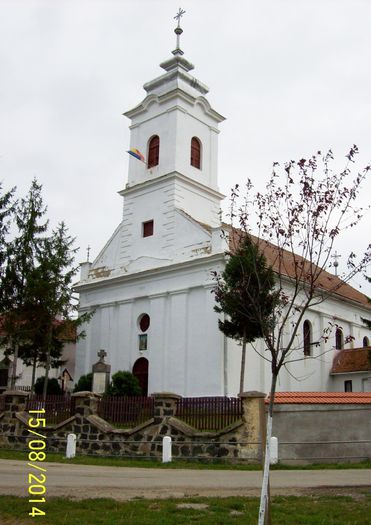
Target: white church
x: 151, y: 285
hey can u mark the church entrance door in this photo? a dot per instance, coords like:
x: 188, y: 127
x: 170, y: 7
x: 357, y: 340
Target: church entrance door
x: 140, y: 370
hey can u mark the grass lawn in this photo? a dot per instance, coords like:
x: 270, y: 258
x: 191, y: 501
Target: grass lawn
x: 184, y: 464
x: 199, y: 511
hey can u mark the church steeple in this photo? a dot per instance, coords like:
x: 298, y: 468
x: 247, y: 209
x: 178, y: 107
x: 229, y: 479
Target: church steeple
x: 176, y: 130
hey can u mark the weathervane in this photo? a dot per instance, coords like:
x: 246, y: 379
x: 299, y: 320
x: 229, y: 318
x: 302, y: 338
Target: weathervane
x: 87, y: 253
x: 178, y: 31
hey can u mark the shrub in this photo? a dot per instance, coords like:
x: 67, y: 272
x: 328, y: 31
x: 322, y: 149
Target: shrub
x: 84, y: 384
x: 53, y: 387
x: 124, y: 384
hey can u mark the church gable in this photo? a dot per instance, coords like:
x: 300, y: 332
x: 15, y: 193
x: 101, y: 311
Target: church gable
x: 108, y: 258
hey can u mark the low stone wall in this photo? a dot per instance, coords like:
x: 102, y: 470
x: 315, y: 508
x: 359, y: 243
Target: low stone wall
x: 322, y: 433
x: 242, y: 440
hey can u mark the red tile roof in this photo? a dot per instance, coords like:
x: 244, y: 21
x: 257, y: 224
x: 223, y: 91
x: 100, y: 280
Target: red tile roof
x: 322, y: 398
x: 67, y: 333
x: 285, y: 263
x: 352, y: 360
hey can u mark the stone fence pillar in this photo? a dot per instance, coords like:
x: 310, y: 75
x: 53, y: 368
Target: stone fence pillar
x: 165, y: 405
x: 86, y: 403
x: 15, y: 401
x: 10, y: 426
x: 253, y: 417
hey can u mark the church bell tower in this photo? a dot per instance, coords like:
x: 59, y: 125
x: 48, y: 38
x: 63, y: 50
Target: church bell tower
x: 172, y: 177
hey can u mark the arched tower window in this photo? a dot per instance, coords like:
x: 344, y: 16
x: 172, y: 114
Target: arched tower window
x: 339, y: 339
x: 153, y: 151
x: 366, y: 341
x: 307, y: 337
x: 196, y: 153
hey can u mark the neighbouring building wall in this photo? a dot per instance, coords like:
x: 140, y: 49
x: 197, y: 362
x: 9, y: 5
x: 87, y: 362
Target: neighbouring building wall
x: 360, y: 382
x: 323, y: 433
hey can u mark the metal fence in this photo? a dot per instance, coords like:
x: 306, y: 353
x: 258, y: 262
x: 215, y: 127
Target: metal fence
x: 57, y: 408
x: 209, y: 413
x: 126, y: 411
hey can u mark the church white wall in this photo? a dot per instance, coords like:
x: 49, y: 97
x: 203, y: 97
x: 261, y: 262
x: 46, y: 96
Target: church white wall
x: 200, y: 205
x: 176, y: 235
x: 307, y: 373
x: 185, y: 348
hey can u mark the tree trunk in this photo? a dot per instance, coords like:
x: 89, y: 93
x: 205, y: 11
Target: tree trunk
x: 13, y: 377
x: 48, y: 359
x: 243, y: 361
x: 264, y: 497
x: 33, y: 373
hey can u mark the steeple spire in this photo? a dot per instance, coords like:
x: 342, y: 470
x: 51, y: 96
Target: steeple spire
x: 178, y: 31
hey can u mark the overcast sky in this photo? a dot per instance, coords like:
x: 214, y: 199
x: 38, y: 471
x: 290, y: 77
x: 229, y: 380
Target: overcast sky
x: 290, y: 76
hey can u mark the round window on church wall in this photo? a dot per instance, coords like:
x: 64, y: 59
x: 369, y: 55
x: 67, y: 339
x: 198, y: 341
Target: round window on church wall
x: 144, y: 322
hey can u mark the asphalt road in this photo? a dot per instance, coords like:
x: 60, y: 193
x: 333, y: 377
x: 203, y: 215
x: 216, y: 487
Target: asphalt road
x: 87, y: 481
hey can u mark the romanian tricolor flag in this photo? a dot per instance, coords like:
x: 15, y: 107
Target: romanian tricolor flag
x: 136, y: 153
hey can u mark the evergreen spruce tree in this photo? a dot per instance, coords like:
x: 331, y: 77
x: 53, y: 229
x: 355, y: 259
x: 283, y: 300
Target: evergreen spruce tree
x: 7, y: 205
x: 19, y: 263
x: 245, y: 294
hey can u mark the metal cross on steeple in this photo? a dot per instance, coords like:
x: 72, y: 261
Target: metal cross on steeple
x: 336, y: 256
x: 178, y: 31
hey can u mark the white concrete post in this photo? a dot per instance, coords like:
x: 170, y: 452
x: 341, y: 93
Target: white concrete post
x: 274, y: 450
x: 166, y: 449
x: 71, y: 446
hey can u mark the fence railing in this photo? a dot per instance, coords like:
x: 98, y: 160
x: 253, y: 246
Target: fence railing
x: 209, y: 413
x: 126, y: 411
x: 57, y: 408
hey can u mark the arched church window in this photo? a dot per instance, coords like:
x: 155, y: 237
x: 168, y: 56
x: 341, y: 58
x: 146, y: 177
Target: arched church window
x: 339, y: 339
x: 307, y: 337
x: 366, y: 341
x: 153, y: 151
x: 196, y: 153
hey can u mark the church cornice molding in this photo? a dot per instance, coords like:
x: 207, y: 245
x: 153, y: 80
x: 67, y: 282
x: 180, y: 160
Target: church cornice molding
x: 178, y: 73
x: 169, y: 177
x: 177, y: 107
x: 143, y: 106
x: 192, y: 264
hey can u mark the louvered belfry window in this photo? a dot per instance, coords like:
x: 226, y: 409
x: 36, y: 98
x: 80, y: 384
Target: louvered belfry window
x: 153, y: 151
x: 196, y: 153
